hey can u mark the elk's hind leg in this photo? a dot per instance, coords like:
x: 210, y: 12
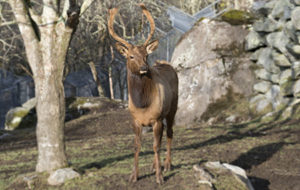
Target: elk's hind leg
x: 170, y: 121
x: 158, y: 131
x: 138, y: 137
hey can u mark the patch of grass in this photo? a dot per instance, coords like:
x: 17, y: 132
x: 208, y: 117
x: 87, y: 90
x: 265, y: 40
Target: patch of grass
x: 105, y: 159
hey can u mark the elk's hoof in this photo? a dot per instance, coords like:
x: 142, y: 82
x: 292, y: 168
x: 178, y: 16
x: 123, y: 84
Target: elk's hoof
x: 160, y: 179
x: 167, y: 166
x: 133, y: 177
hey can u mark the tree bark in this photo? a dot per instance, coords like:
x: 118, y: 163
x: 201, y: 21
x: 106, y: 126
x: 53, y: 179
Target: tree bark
x: 46, y: 56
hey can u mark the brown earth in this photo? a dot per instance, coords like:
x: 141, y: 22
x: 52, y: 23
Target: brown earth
x: 99, y: 145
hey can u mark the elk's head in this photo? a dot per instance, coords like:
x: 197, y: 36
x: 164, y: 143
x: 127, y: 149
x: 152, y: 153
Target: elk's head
x: 136, y: 55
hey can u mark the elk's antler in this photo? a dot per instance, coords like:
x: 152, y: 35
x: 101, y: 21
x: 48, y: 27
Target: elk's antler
x: 112, y: 14
x: 151, y: 21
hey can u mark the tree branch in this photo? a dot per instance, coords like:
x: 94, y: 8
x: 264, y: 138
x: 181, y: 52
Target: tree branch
x: 29, y: 36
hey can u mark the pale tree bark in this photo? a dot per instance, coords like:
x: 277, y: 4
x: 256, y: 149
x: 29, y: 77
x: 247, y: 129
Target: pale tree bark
x: 46, y: 51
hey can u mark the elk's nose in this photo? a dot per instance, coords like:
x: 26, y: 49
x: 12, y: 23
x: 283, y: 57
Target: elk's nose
x: 144, y: 69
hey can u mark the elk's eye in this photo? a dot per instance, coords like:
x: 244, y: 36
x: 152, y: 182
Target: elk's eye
x: 131, y: 57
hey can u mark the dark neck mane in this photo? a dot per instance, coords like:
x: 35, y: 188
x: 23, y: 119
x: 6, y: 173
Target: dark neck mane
x: 140, y: 88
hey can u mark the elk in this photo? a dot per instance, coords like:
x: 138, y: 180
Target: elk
x: 152, y: 93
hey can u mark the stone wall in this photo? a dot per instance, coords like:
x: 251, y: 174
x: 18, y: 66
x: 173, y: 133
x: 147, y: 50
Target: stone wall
x: 274, y: 41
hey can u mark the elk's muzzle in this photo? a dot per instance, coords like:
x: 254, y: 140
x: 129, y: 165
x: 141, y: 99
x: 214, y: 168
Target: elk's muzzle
x: 144, y: 69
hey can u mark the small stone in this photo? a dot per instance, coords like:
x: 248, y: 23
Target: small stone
x: 296, y: 89
x: 265, y: 59
x: 297, y: 2
x: 290, y: 30
x: 278, y: 40
x: 294, y: 50
x: 266, y: 25
x: 285, y: 76
x: 295, y: 69
x: 253, y: 41
x: 274, y: 96
x: 260, y: 104
x: 264, y: 75
x: 254, y: 56
x: 60, y: 176
x: 296, y: 18
x: 281, y: 60
x: 282, y: 9
x: 262, y: 87
x: 264, y: 106
x: 287, y: 87
x: 231, y: 119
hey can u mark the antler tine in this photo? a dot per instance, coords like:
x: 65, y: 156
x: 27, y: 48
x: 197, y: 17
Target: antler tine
x: 151, y: 21
x: 112, y: 14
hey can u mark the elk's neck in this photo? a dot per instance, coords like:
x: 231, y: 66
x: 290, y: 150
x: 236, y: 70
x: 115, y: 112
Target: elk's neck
x: 140, y: 89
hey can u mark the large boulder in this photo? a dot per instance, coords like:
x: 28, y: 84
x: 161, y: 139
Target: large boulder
x: 210, y: 59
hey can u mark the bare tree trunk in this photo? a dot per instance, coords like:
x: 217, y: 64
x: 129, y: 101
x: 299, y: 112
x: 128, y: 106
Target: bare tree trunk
x: 50, y: 126
x: 111, y: 87
x: 96, y: 78
x: 46, y: 51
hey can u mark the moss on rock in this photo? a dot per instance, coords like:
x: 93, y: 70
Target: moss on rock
x: 14, y: 118
x: 238, y: 17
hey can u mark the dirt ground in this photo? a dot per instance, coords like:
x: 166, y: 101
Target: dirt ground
x: 99, y: 146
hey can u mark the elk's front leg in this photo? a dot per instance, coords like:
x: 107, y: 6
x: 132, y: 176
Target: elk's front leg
x: 138, y: 137
x: 158, y: 131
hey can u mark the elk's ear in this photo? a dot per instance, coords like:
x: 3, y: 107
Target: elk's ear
x: 122, y: 49
x: 151, y: 46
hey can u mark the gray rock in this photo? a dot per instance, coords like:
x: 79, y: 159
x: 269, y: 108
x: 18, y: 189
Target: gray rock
x: 282, y: 9
x: 263, y: 106
x: 260, y: 104
x: 265, y: 59
x: 241, y: 175
x: 287, y: 87
x: 254, y: 56
x: 278, y: 40
x: 291, y: 31
x: 204, y: 77
x: 257, y: 98
x: 232, y: 119
x: 29, y: 180
x: 270, y: 5
x: 31, y: 103
x: 296, y: 18
x: 264, y: 75
x: 294, y: 50
x: 238, y: 172
x: 281, y: 60
x: 14, y: 117
x: 262, y: 87
x: 295, y: 69
x: 296, y: 89
x: 267, y: 25
x: 254, y: 40
x: 203, y: 176
x: 60, y: 176
x: 274, y: 96
x: 285, y: 76
x: 297, y: 2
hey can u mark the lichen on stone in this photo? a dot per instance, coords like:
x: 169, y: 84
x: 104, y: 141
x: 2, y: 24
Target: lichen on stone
x: 238, y: 17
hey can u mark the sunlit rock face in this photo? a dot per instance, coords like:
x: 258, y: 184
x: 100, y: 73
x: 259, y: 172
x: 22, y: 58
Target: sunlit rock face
x: 210, y: 60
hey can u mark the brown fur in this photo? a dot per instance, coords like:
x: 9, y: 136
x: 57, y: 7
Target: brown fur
x: 153, y: 95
